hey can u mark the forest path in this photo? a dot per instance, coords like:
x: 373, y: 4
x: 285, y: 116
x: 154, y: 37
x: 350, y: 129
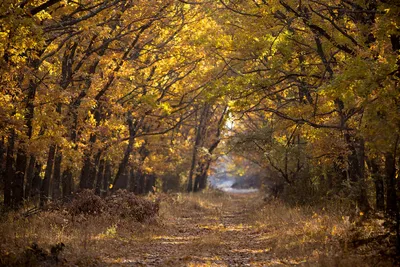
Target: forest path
x: 222, y: 232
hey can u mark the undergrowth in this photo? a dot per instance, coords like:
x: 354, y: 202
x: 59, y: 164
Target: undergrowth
x: 81, y: 226
x: 94, y: 231
x: 326, y: 234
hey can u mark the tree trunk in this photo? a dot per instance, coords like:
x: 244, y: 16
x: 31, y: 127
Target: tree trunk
x: 362, y: 196
x: 67, y: 183
x: 199, y: 137
x: 94, y: 170
x: 395, y: 41
x: 128, y: 151
x: 193, y: 164
x: 379, y: 185
x: 36, y: 181
x: 122, y: 182
x: 203, y: 180
x: 150, y: 183
x: 9, y: 174
x: 30, y: 173
x: 19, y: 178
x: 122, y: 166
x: 30, y: 107
x: 2, y: 166
x: 132, y: 181
x: 354, y: 171
x: 379, y: 192
x: 390, y: 173
x: 100, y: 177
x: 84, y: 182
x: 196, y: 183
x: 89, y: 169
x: 199, y: 177
x: 356, y: 161
x: 106, y: 178
x: 45, y: 189
x: 58, y: 157
x: 57, y: 175
x: 22, y: 155
x: 202, y: 172
x: 140, y: 182
x: 339, y: 174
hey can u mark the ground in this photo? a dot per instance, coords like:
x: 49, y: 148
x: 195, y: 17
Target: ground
x: 205, y: 229
x: 239, y: 230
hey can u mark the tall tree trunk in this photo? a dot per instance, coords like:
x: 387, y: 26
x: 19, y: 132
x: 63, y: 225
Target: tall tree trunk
x: 94, y: 170
x: 390, y: 173
x: 356, y: 170
x: 362, y: 197
x: 124, y: 163
x: 22, y: 154
x: 204, y: 166
x: 122, y: 182
x: 199, y: 136
x: 56, y: 185
x: 339, y: 174
x: 106, y: 178
x: 392, y: 209
x: 100, y: 177
x: 395, y: 41
x: 379, y: 185
x: 30, y: 173
x: 33, y: 180
x: 19, y: 178
x: 203, y: 180
x: 150, y: 183
x: 199, y: 177
x: 88, y: 166
x: 2, y: 166
x: 36, y: 181
x: 132, y: 181
x: 9, y: 175
x: 141, y: 180
x: 45, y: 188
x: 57, y: 175
x: 67, y: 183
x: 196, y: 183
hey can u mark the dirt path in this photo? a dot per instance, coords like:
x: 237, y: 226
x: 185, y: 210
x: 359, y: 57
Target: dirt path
x: 212, y: 235
x: 204, y: 229
x: 240, y: 230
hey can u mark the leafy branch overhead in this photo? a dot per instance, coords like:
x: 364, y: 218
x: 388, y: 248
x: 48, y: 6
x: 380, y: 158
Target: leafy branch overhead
x: 153, y: 95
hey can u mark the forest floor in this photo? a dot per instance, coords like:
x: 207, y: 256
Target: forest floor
x: 212, y: 229
x: 241, y: 230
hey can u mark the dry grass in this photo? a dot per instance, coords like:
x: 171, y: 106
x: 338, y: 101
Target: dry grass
x: 211, y: 202
x: 321, y: 237
x: 206, y: 229
x: 87, y: 237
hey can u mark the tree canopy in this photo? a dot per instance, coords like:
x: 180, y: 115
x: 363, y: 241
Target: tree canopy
x: 140, y: 94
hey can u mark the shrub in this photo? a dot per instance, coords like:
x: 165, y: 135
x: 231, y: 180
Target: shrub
x: 34, y: 255
x: 125, y: 204
x: 121, y: 204
x: 86, y: 202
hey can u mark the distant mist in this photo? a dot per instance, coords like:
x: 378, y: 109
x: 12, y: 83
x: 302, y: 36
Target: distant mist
x: 235, y: 174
